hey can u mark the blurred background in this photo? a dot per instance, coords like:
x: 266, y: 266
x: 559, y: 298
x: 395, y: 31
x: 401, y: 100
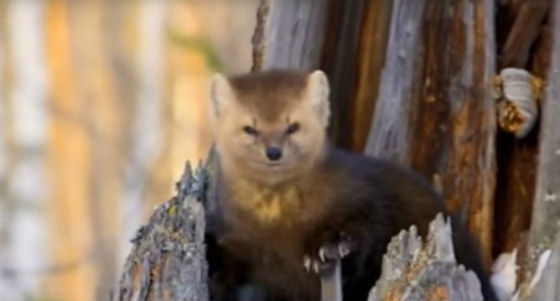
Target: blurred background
x: 101, y: 104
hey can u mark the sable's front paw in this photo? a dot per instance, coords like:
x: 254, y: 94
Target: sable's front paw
x: 325, y: 250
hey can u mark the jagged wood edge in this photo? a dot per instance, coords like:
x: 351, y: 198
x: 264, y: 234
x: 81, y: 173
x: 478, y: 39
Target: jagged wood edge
x: 413, y: 270
x: 168, y: 257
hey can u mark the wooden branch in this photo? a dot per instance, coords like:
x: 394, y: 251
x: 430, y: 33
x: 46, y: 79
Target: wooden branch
x: 168, y: 258
x: 413, y: 270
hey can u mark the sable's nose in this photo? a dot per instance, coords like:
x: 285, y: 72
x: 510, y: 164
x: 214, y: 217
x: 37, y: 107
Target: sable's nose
x: 273, y: 153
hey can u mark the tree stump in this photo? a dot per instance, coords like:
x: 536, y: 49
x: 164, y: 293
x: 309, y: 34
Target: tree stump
x: 168, y: 257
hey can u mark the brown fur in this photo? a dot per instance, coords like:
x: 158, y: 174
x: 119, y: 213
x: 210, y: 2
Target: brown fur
x: 269, y: 102
x: 269, y: 94
x: 270, y: 216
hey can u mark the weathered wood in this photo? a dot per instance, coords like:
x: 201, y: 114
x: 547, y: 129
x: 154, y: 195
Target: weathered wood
x: 389, y: 136
x: 168, y: 259
x: 456, y: 122
x: 339, y: 61
x: 525, y: 30
x: 546, y: 208
x: 289, y: 34
x: 413, y: 270
x: 435, y: 111
x: 370, y: 61
x: 515, y: 189
x: 257, y: 40
x: 547, y: 287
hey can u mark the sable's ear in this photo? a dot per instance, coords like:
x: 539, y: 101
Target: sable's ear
x: 318, y: 87
x: 220, y: 95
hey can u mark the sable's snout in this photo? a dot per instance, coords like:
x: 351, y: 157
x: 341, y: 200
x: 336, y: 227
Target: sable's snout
x: 273, y: 153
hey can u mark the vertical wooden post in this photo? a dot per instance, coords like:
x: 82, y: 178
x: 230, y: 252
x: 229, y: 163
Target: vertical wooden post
x: 389, y: 133
x: 546, y: 205
x: 370, y: 59
x: 289, y: 34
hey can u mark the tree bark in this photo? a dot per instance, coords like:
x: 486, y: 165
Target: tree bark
x: 339, y: 60
x: 370, y: 60
x: 168, y: 258
x: 435, y: 112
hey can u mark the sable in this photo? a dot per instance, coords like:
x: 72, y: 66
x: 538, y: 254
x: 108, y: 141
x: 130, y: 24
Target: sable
x: 282, y: 220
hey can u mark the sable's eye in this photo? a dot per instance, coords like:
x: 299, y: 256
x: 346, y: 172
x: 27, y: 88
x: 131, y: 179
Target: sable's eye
x: 294, y: 127
x: 249, y: 130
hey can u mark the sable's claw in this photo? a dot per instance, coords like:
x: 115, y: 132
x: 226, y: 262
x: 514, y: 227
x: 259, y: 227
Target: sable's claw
x: 307, y: 263
x: 316, y: 267
x: 334, y: 251
x: 343, y: 249
x: 322, y: 254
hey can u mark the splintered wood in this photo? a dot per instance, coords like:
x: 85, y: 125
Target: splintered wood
x: 413, y: 270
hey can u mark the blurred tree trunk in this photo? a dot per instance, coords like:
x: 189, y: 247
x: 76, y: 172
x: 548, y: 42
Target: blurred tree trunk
x: 69, y: 208
x: 23, y: 122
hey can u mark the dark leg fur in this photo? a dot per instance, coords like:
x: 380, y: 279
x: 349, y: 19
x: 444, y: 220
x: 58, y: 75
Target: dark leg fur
x: 468, y: 255
x: 362, y: 267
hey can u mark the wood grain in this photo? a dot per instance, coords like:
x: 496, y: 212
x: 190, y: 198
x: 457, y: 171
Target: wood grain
x: 546, y: 208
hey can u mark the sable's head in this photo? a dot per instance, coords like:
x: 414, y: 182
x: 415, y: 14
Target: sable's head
x: 270, y: 126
